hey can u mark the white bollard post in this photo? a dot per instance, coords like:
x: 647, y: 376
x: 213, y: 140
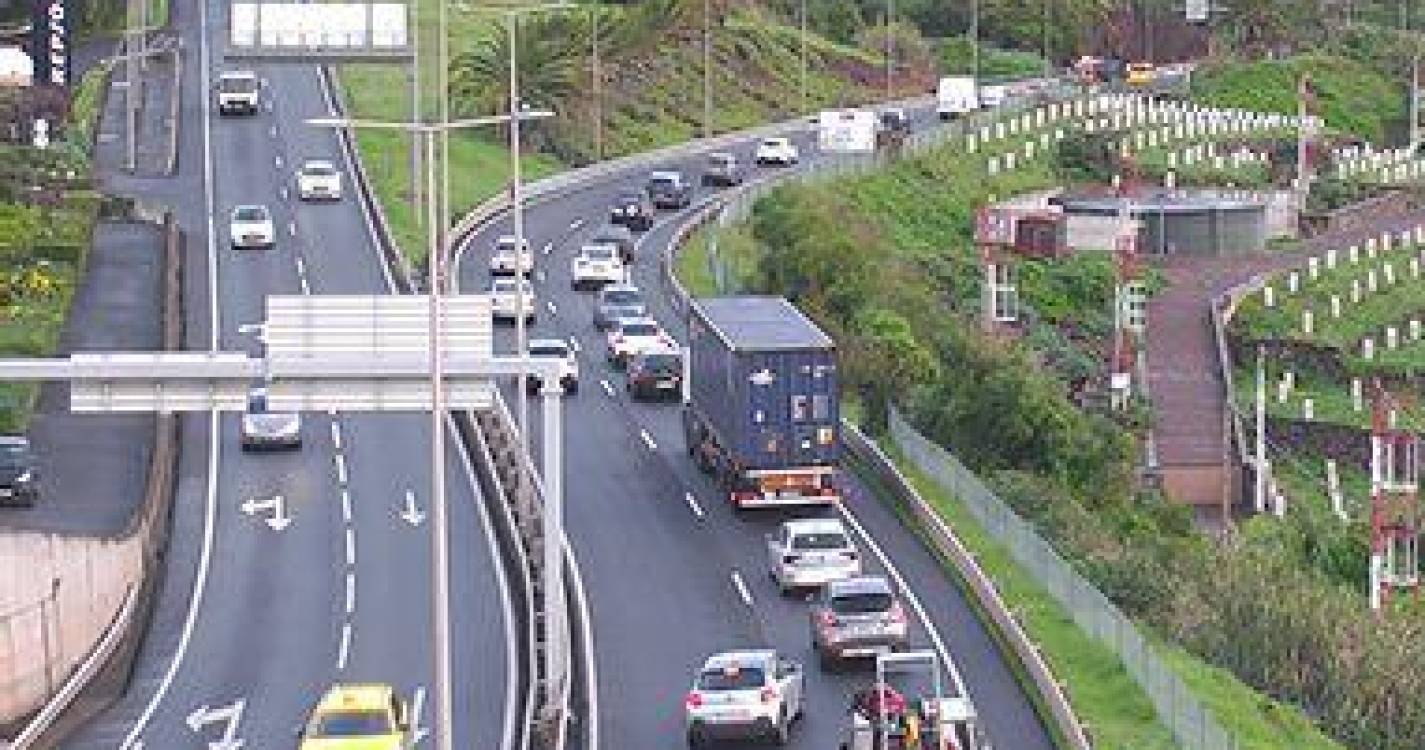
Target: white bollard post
x: 1414, y: 268
x: 1371, y: 281
x: 1392, y: 338
x: 1353, y: 254
x: 1355, y: 291
x: 1306, y: 321
x: 1268, y: 297
x: 1368, y: 349
x: 1331, y: 258
x: 1308, y: 409
x: 1388, y: 271
x: 1335, y: 306
x: 1358, y: 400
x: 1293, y: 282
x: 1371, y: 248
x: 1313, y: 267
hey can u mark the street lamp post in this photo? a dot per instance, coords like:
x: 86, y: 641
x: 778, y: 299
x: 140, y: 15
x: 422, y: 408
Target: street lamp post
x: 707, y: 68
x: 890, y: 41
x: 437, y: 239
x: 803, y: 22
x: 975, y: 40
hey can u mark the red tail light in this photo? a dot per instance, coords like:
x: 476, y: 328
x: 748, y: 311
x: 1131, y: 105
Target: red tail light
x: 694, y: 699
x: 897, y: 613
x: 769, y: 694
x: 828, y: 618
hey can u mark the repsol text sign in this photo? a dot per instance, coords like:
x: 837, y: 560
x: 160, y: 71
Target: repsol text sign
x: 51, y: 41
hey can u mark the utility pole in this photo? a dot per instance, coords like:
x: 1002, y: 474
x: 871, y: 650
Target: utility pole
x: 439, y: 217
x: 975, y: 40
x: 1415, y: 103
x: 803, y: 21
x: 1048, y: 53
x: 416, y: 179
x: 890, y: 46
x: 598, y: 77
x: 707, y: 68
x: 1259, y: 494
x: 134, y: 85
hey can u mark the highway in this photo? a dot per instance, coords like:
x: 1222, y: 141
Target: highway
x: 264, y: 606
x: 673, y: 574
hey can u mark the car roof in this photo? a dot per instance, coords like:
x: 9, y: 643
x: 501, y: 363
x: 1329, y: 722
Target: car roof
x: 357, y: 696
x: 636, y: 320
x: 238, y: 74
x: 665, y: 174
x: 15, y: 441
x: 244, y: 206
x: 750, y: 657
x: 620, y: 288
x: 814, y: 525
x: 548, y: 344
x: 605, y: 246
x: 859, y: 585
x: 318, y: 163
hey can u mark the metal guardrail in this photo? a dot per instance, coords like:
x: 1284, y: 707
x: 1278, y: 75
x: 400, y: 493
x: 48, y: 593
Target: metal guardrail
x: 1191, y: 723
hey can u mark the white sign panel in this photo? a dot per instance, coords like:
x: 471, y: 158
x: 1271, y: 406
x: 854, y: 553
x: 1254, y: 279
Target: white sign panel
x: 847, y: 131
x: 1197, y: 10
x: 355, y: 27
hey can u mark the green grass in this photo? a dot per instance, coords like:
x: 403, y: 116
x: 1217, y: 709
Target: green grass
x: 737, y: 252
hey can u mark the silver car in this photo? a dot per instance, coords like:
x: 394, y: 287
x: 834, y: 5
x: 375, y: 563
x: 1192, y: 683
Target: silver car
x: 857, y: 617
x: 618, y: 301
x: 264, y: 428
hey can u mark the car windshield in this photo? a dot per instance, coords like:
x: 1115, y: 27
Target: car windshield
x: 720, y: 160
x: 319, y: 169
x: 861, y: 603
x: 745, y: 678
x: 774, y: 143
x: 819, y: 540
x: 14, y: 454
x: 250, y: 213
x: 622, y: 298
x: 353, y: 724
x: 639, y: 329
x: 664, y: 363
x: 507, y: 286
x: 237, y: 85
x: 663, y: 180
x: 548, y: 350
x: 257, y: 404
x: 598, y: 252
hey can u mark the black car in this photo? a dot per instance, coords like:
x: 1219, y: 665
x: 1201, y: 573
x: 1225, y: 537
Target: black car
x: 19, y: 475
x: 669, y: 190
x: 632, y: 209
x: 656, y: 374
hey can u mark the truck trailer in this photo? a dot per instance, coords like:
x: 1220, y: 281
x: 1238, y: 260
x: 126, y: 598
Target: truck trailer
x: 761, y: 410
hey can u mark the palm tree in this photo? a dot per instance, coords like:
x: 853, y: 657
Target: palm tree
x: 548, y: 55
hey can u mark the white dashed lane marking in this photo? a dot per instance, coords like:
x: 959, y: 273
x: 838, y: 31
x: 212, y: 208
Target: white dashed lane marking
x: 693, y: 503
x: 742, y: 591
x: 350, y: 547
x: 648, y: 440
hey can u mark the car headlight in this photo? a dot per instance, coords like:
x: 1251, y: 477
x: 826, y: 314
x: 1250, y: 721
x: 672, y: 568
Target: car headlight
x: 25, y: 478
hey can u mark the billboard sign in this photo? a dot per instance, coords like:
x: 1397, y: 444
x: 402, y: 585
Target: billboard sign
x: 49, y: 43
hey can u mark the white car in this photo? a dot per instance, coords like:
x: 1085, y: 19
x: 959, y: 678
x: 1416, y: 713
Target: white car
x: 506, y: 261
x: 629, y: 336
x: 596, y: 266
x: 556, y: 349
x: 264, y: 428
x: 318, y: 180
x: 252, y: 226
x: 504, y: 299
x: 754, y: 694
x: 238, y: 92
x: 807, y: 553
x: 780, y: 151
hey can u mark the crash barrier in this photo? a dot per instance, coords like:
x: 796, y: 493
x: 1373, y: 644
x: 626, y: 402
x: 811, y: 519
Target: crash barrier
x: 79, y: 686
x: 1191, y: 723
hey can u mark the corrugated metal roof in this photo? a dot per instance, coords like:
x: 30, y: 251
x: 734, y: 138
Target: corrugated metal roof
x: 761, y: 324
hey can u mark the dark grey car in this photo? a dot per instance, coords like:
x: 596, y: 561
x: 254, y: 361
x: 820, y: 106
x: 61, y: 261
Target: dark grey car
x: 19, y: 474
x: 857, y: 617
x: 722, y: 169
x: 669, y: 190
x: 617, y: 235
x: 618, y: 301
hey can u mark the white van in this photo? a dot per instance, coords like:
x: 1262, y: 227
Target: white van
x: 956, y: 96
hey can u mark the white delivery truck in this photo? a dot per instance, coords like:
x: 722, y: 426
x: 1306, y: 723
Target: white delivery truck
x: 956, y: 96
x: 846, y: 131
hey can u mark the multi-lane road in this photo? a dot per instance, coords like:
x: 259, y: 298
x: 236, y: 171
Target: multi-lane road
x: 256, y: 616
x: 263, y: 608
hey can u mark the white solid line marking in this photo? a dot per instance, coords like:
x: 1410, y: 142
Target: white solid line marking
x: 350, y: 591
x: 346, y: 506
x: 341, y: 469
x: 277, y: 160
x: 693, y: 503
x: 574, y: 344
x: 336, y: 435
x: 552, y: 309
x: 648, y: 440
x: 350, y: 547
x: 741, y: 586
x: 609, y: 389
x: 575, y: 224
x: 345, y: 649
x: 210, y: 510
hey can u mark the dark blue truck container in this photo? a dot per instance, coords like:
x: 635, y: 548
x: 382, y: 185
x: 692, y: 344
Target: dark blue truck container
x: 762, y: 412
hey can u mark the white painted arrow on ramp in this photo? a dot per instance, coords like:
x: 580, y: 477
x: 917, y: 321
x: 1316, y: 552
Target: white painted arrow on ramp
x: 230, y: 715
x: 279, y: 519
x: 418, y: 732
x: 411, y: 514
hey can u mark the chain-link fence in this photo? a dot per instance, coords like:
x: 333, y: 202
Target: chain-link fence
x: 1190, y: 722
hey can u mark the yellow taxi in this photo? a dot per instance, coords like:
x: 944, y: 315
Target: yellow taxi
x: 357, y: 717
x: 1141, y: 74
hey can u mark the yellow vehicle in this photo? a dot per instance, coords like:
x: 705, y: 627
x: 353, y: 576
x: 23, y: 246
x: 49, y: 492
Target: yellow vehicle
x: 1141, y: 74
x: 357, y: 717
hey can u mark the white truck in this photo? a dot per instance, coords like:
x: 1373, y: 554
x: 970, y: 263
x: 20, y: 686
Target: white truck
x: 238, y: 92
x: 846, y: 131
x: 956, y: 96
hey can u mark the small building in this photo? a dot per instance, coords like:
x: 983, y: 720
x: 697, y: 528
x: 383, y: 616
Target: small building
x: 1173, y: 223
x: 17, y: 70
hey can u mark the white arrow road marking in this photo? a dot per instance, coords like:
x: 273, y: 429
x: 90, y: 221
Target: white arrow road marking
x: 350, y: 592
x: 229, y: 715
x: 693, y: 503
x: 552, y: 309
x: 279, y: 519
x: 411, y: 514
x: 548, y: 246
x: 741, y: 586
x: 540, y: 276
x: 575, y: 224
x: 609, y: 389
x: 344, y: 650
x: 574, y: 344
x: 648, y: 440
x: 418, y: 702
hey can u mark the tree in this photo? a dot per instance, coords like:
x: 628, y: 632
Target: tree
x: 887, y: 359
x: 548, y: 53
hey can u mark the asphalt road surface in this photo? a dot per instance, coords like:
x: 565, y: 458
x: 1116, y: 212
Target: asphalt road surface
x: 673, y: 574
x: 258, y: 616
